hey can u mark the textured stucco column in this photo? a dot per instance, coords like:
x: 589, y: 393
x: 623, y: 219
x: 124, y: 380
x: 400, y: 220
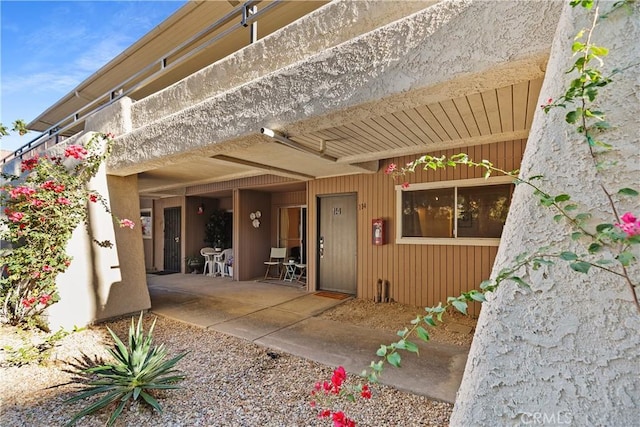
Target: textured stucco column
x: 105, y: 282
x: 568, y: 351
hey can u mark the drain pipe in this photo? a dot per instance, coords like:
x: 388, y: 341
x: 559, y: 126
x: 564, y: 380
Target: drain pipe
x: 284, y: 140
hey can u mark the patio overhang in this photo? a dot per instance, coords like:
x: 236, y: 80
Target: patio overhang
x: 454, y: 74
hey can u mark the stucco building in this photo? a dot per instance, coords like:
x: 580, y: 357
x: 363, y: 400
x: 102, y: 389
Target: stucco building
x: 295, y: 110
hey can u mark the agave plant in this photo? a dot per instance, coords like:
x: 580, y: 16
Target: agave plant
x: 137, y: 369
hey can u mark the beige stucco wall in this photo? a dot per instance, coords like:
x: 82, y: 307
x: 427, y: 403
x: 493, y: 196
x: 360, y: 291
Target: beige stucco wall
x: 568, y: 351
x: 444, y: 51
x: 103, y: 282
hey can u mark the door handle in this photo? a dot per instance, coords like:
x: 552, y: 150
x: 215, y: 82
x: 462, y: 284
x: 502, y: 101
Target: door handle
x: 321, y: 249
x: 177, y: 239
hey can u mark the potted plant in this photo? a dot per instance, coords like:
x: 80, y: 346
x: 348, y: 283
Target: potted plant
x: 229, y: 264
x: 194, y: 263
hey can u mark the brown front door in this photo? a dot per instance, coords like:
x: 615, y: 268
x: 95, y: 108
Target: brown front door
x: 337, y: 253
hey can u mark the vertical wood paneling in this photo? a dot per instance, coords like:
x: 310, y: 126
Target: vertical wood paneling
x: 420, y: 275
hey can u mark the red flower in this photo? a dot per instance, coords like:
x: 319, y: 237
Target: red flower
x: 28, y: 164
x: 366, y: 392
x: 48, y: 185
x: 44, y: 299
x: 324, y: 413
x: 338, y: 377
x: 405, y: 185
x: 75, y: 151
x: 36, y: 202
x: 93, y: 197
x: 47, y: 268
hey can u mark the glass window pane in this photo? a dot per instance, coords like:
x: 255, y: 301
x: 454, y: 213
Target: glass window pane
x: 427, y: 213
x: 482, y: 211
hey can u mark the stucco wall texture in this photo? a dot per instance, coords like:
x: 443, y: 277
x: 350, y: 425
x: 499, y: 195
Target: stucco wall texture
x: 460, y: 46
x: 567, y: 352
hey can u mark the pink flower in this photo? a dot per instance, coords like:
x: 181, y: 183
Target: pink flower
x: 75, y: 151
x: 630, y: 224
x: 16, y: 216
x: 47, y: 268
x: 126, y: 223
x: 63, y: 201
x: 36, y: 202
x: 628, y: 218
x: 391, y: 168
x: 21, y: 191
x: 405, y: 185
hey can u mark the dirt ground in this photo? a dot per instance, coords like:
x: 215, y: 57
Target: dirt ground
x: 457, y: 328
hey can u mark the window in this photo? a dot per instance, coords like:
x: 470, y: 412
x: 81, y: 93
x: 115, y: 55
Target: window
x: 463, y: 212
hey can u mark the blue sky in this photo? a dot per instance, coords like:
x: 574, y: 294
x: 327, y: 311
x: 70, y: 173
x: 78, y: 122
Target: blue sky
x: 49, y: 47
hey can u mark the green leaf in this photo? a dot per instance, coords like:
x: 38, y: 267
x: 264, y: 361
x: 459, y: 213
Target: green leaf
x: 382, y: 351
x: 599, y: 51
x: 422, y: 333
x: 582, y: 216
x: 602, y: 228
x: 562, y: 198
x: 594, y: 247
x: 604, y: 261
x: 429, y: 320
x: 558, y: 218
x: 394, y: 359
x: 571, y: 207
x: 628, y: 191
x: 411, y: 346
x: 486, y: 284
x: 576, y: 235
x: 571, y: 117
x: 520, y: 282
x: 461, y: 306
x: 580, y: 266
x: 402, y: 332
x: 477, y: 296
x: 568, y: 256
x: 577, y: 46
x: 625, y: 258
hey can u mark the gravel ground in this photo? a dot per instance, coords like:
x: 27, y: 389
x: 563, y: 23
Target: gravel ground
x: 230, y: 382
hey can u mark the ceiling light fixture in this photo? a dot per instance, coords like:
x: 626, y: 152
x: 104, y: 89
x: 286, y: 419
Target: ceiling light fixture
x: 283, y: 139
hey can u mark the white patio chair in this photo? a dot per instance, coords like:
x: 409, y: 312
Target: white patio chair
x: 221, y: 260
x: 276, y: 258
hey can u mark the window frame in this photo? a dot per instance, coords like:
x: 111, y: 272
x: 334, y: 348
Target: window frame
x: 455, y: 184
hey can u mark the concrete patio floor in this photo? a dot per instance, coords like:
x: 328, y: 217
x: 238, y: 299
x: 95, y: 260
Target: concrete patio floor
x: 285, y: 318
